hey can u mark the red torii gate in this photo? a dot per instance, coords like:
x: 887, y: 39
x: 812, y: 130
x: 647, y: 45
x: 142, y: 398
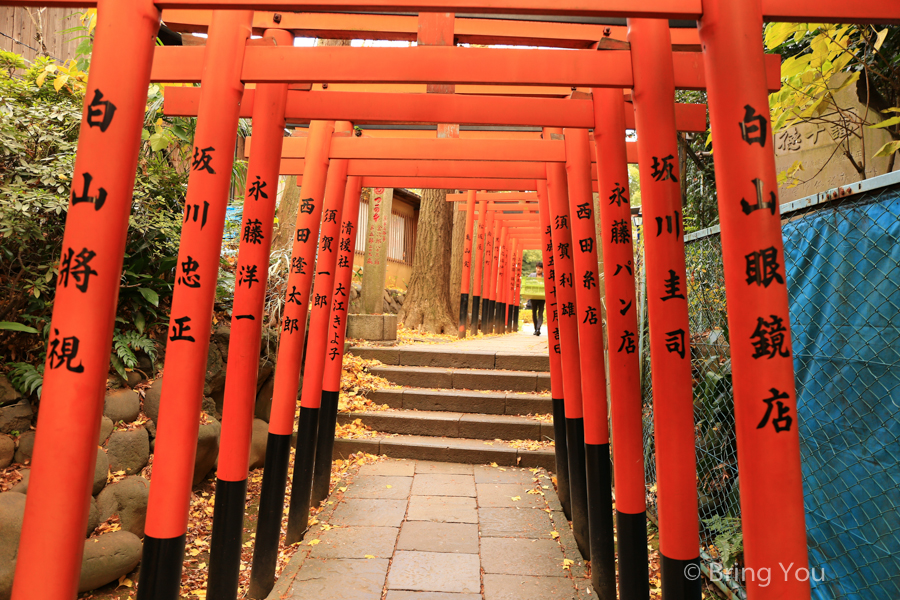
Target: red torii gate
x: 769, y: 459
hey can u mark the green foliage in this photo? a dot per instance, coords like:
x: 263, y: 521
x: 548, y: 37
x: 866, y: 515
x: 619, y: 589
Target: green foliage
x: 729, y: 540
x: 125, y: 345
x: 27, y: 378
x: 39, y: 125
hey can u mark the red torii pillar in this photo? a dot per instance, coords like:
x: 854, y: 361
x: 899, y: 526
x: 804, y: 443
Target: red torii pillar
x: 190, y: 320
x: 765, y: 399
x: 84, y: 312
x: 670, y: 354
x: 500, y: 306
x: 314, y: 368
x: 467, y: 264
x: 477, y: 285
x: 554, y: 349
x: 590, y: 338
x: 571, y: 353
x: 490, y: 261
x: 622, y: 327
x: 337, y: 329
x: 290, y: 355
x: 246, y: 329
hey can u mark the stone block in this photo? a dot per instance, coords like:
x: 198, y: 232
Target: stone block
x: 528, y: 404
x: 512, y: 381
x: 390, y: 468
x: 543, y: 382
x: 517, y: 587
x: 365, y: 512
x: 442, y: 509
x: 433, y: 357
x: 426, y: 484
x: 435, y: 572
x: 356, y: 542
x: 499, y: 427
x: 377, y: 486
x: 345, y: 447
x: 520, y: 556
x: 500, y: 495
x: 434, y: 468
x: 514, y: 523
x: 342, y: 578
x: 425, y: 536
x: 388, y: 356
x: 545, y: 459
x: 365, y: 327
x: 485, y: 474
x: 423, y: 377
x: 456, y: 401
x: 390, y: 327
x: 393, y: 398
x: 522, y: 362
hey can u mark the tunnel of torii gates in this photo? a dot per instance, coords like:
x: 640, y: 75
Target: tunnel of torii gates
x: 566, y: 93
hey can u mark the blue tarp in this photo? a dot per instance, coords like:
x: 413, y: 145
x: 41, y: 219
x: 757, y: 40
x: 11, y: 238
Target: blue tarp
x: 843, y: 272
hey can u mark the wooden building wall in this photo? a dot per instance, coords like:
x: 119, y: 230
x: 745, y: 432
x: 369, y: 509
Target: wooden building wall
x: 18, y: 32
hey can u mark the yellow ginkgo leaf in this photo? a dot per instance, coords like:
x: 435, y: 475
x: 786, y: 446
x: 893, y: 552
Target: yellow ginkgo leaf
x: 554, y: 535
x: 388, y: 486
x: 368, y: 556
x: 516, y: 498
x: 567, y: 563
x: 313, y: 542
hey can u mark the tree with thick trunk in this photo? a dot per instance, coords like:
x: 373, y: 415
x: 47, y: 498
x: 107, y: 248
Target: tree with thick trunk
x: 427, y: 303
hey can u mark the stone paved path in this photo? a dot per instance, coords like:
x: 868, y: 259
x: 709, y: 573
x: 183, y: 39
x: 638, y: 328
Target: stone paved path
x: 522, y: 342
x: 417, y: 530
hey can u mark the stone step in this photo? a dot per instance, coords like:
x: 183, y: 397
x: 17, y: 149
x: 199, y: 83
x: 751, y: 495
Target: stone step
x: 464, y: 401
x: 446, y: 449
x: 452, y: 424
x: 436, y: 356
x: 465, y: 379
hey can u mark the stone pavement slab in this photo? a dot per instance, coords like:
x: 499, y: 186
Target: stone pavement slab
x: 425, y: 536
x: 435, y: 572
x: 485, y: 474
x: 406, y: 595
x: 377, y: 486
x: 356, y: 542
x: 340, y: 579
x: 369, y: 513
x: 427, y: 466
x: 500, y: 495
x: 519, y: 587
x: 516, y: 556
x: 442, y: 509
x: 390, y: 468
x: 514, y: 523
x: 426, y: 484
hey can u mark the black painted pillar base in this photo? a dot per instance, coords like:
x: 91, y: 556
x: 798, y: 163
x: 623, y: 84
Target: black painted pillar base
x: 600, y: 518
x: 463, y: 314
x: 301, y: 486
x: 225, y: 546
x: 516, y: 321
x: 476, y: 305
x: 161, y: 562
x: 271, y: 509
x: 324, y: 447
x: 578, y: 486
x: 634, y: 578
x: 487, y: 312
x: 562, y: 456
x: 680, y: 578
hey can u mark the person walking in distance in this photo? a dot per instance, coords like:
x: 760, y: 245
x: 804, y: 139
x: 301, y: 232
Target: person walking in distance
x: 537, y: 306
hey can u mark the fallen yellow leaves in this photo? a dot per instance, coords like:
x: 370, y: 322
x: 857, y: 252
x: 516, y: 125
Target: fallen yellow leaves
x: 554, y: 535
x: 567, y: 564
x: 516, y: 498
x: 313, y: 542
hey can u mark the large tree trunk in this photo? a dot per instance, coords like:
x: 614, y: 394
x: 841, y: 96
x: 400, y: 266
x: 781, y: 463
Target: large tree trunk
x: 456, y: 256
x: 427, y: 303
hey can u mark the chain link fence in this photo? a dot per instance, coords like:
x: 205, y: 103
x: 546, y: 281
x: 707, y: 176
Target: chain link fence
x: 842, y: 262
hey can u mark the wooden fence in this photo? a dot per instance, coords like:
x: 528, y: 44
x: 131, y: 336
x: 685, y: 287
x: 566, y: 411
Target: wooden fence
x: 36, y: 32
